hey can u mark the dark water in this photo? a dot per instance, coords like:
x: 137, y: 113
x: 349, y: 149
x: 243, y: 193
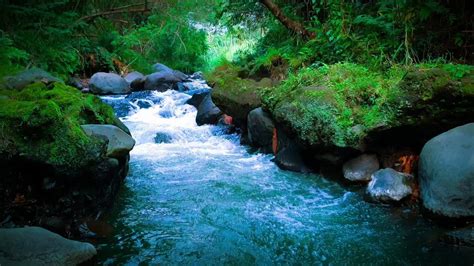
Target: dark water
x: 203, y: 199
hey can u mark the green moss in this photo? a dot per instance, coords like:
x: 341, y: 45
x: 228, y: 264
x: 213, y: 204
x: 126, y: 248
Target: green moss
x: 43, y: 122
x: 233, y: 95
x: 337, y: 105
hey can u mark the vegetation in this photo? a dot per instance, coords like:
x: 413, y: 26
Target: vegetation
x: 345, y: 67
x: 42, y: 122
x: 338, y: 104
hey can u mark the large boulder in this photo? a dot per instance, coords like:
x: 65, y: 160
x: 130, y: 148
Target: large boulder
x: 208, y: 112
x: 38, y: 246
x: 161, y: 81
x: 27, y: 77
x: 108, y: 83
x: 234, y: 95
x: 260, y: 128
x: 120, y: 143
x: 361, y: 168
x: 389, y: 185
x: 446, y: 173
x: 348, y: 106
x: 289, y: 153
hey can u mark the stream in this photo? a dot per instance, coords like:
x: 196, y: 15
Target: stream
x: 194, y: 195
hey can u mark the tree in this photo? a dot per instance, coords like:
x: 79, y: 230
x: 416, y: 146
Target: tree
x: 290, y: 24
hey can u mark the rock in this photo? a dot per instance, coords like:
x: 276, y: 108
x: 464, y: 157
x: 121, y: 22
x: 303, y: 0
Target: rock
x: 197, y: 98
x: 120, y: 143
x: 162, y: 138
x: 389, y: 185
x: 288, y: 152
x: 132, y: 76
x: 361, y: 168
x: 260, y: 129
x: 236, y: 102
x: 446, y: 173
x: 161, y: 68
x: 290, y: 158
x: 460, y: 237
x: 161, y: 81
x: 27, y: 77
x: 108, y: 83
x: 75, y: 82
x: 38, y: 246
x: 208, y: 112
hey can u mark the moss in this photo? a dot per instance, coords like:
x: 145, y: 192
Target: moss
x: 233, y: 95
x: 42, y: 123
x: 338, y: 105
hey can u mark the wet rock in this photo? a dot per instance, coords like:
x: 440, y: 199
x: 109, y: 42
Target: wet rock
x: 446, y: 173
x: 38, y: 246
x: 260, y: 129
x: 108, y: 83
x: 289, y: 153
x: 388, y: 185
x: 28, y: 77
x: 208, y: 112
x: 120, y: 143
x: 361, y: 168
x: 460, y: 237
x: 290, y: 158
x: 198, y: 97
x: 162, y: 137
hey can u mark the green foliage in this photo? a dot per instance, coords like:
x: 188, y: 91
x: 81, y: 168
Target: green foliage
x: 11, y: 57
x: 178, y: 46
x: 43, y: 123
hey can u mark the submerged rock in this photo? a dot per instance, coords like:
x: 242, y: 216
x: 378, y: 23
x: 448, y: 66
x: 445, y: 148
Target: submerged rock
x: 389, y: 185
x: 162, y: 137
x: 136, y: 80
x: 208, y: 112
x: 38, y: 246
x: 361, y: 168
x: 446, y: 173
x: 260, y: 129
x: 28, y: 77
x: 108, y: 83
x: 119, y: 142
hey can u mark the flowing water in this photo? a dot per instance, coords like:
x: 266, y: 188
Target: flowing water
x: 194, y: 195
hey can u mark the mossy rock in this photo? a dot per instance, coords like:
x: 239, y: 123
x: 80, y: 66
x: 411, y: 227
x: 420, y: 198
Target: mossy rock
x: 340, y: 105
x: 233, y: 95
x: 42, y: 123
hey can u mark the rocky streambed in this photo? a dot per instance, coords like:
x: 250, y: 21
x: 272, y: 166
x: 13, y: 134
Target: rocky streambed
x: 66, y: 155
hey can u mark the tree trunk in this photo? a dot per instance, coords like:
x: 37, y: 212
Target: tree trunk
x: 290, y: 24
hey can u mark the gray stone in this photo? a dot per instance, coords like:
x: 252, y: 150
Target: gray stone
x: 27, y: 77
x: 208, y: 112
x: 161, y: 81
x: 260, y: 129
x: 446, y: 173
x: 158, y: 67
x: 389, y: 185
x: 108, y: 83
x: 361, y: 168
x: 38, y: 246
x: 132, y: 76
x: 120, y: 143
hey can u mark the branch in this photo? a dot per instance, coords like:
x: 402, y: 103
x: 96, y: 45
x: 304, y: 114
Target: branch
x: 290, y: 24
